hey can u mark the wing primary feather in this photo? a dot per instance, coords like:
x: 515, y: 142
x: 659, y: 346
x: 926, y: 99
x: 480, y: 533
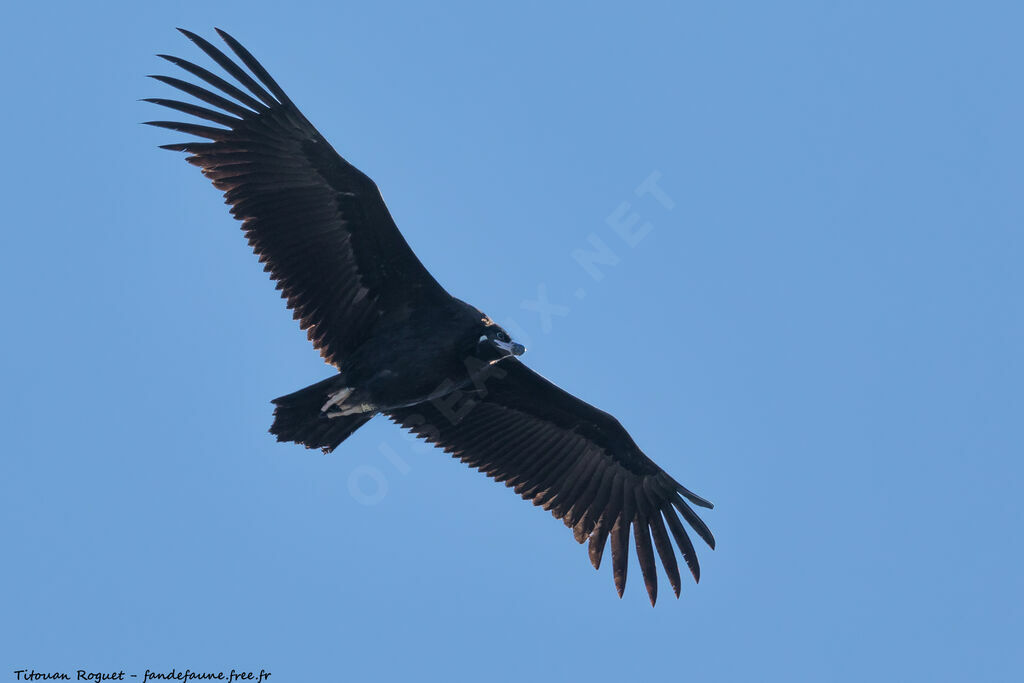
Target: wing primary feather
x: 665, y: 552
x: 628, y: 500
x: 208, y: 132
x: 195, y: 110
x: 217, y: 82
x: 204, y: 95
x: 620, y: 538
x: 254, y: 66
x: 690, y: 495
x: 180, y: 147
x: 644, y: 551
x: 225, y: 62
x: 683, y: 541
x: 596, y: 548
x: 620, y: 552
x: 693, y: 520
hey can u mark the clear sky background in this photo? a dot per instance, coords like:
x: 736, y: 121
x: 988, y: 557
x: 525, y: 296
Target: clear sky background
x: 822, y: 334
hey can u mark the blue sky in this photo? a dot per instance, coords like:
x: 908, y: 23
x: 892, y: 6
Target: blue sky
x: 822, y: 334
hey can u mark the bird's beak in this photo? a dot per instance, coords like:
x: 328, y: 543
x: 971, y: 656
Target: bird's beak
x: 511, y: 347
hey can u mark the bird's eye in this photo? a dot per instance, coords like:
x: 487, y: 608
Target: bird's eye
x: 502, y: 337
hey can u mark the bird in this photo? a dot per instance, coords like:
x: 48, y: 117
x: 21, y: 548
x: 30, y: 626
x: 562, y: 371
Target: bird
x: 400, y: 345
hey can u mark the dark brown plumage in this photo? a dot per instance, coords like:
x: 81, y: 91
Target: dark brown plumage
x: 572, y: 459
x: 402, y: 345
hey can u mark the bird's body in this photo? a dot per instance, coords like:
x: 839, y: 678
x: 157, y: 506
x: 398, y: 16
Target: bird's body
x: 405, y: 361
x: 401, y: 345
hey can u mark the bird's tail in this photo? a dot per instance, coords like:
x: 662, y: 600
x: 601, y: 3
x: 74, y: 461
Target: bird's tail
x: 299, y: 417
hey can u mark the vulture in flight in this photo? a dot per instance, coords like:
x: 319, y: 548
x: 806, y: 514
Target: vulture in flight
x: 403, y: 346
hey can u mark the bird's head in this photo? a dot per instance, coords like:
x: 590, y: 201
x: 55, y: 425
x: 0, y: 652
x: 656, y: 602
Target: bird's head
x: 494, y: 343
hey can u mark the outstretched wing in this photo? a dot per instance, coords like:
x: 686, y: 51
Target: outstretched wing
x: 318, y: 223
x: 571, y: 458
